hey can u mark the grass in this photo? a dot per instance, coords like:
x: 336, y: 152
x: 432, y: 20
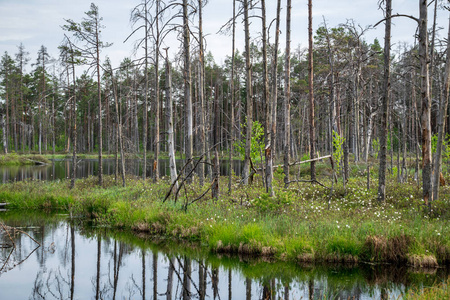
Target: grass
x: 302, y: 223
x: 21, y: 160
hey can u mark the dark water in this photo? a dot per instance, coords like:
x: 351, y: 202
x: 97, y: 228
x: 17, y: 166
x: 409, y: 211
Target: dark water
x: 60, y: 169
x: 76, y: 261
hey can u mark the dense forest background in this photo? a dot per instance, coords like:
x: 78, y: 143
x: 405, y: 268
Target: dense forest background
x: 342, y: 95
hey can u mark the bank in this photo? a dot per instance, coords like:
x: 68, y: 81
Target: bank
x: 305, y: 223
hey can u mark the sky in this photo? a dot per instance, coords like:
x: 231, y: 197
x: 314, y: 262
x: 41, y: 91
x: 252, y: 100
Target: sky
x: 38, y: 22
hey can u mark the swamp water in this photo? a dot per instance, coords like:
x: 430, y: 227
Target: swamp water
x: 76, y: 261
x: 62, y: 169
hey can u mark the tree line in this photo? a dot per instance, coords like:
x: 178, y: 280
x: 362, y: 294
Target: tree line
x: 265, y: 102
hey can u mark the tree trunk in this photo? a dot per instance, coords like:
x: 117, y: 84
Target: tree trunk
x: 249, y: 96
x: 169, y: 118
x: 312, y: 129
x: 426, y: 104
x: 187, y: 91
x: 385, y: 105
x: 216, y: 141
x: 287, y: 98
x: 232, y: 126
x: 157, y: 112
x: 201, y: 90
x: 145, y: 112
x: 267, y: 107
x: 441, y: 122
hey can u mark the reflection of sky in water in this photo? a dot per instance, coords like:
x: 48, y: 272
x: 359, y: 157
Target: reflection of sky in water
x: 47, y: 272
x: 62, y: 169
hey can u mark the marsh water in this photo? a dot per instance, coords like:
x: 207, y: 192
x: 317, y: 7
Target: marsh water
x: 62, y: 168
x: 78, y: 261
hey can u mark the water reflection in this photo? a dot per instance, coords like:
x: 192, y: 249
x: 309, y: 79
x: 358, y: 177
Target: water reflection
x: 61, y: 169
x: 78, y: 262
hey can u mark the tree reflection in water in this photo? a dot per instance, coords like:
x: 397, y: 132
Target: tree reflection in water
x: 78, y: 262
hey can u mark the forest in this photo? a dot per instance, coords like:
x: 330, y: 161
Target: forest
x: 342, y: 97
x: 343, y: 145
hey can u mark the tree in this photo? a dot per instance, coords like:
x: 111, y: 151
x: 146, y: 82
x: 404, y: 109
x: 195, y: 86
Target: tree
x: 249, y: 100
x: 21, y: 60
x: 169, y: 120
x: 267, y: 105
x: 187, y: 90
x: 441, y: 122
x: 88, y: 31
x: 385, y: 104
x: 70, y: 58
x: 287, y: 97
x: 312, y: 130
x: 201, y: 88
x: 425, y: 117
x: 7, y: 69
x: 41, y: 63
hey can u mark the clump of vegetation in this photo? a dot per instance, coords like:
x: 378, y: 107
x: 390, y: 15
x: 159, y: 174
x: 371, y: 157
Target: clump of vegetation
x: 14, y: 159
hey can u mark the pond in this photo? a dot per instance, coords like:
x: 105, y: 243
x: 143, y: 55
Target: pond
x: 62, y: 169
x: 77, y: 261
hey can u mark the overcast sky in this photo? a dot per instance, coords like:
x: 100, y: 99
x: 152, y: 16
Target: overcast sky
x: 38, y: 22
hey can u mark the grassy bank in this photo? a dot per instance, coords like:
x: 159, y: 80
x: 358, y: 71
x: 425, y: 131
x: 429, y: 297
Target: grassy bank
x: 13, y: 159
x: 303, y: 223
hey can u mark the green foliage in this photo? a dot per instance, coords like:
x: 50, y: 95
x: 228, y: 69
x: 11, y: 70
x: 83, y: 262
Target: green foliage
x: 257, y: 141
x: 445, y: 146
x: 338, y: 153
x: 376, y: 147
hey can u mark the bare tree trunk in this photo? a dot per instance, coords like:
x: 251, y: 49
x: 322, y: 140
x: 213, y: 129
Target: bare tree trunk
x: 157, y: 106
x: 232, y: 126
x: 187, y: 91
x: 267, y: 106
x: 312, y: 129
x: 441, y: 122
x: 385, y: 105
x: 274, y: 93
x: 74, y: 131
x: 5, y: 144
x: 216, y: 141
x: 201, y: 97
x: 169, y: 118
x: 100, y: 129
x: 287, y: 98
x: 145, y: 112
x: 119, y: 128
x: 426, y: 104
x: 248, y: 136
